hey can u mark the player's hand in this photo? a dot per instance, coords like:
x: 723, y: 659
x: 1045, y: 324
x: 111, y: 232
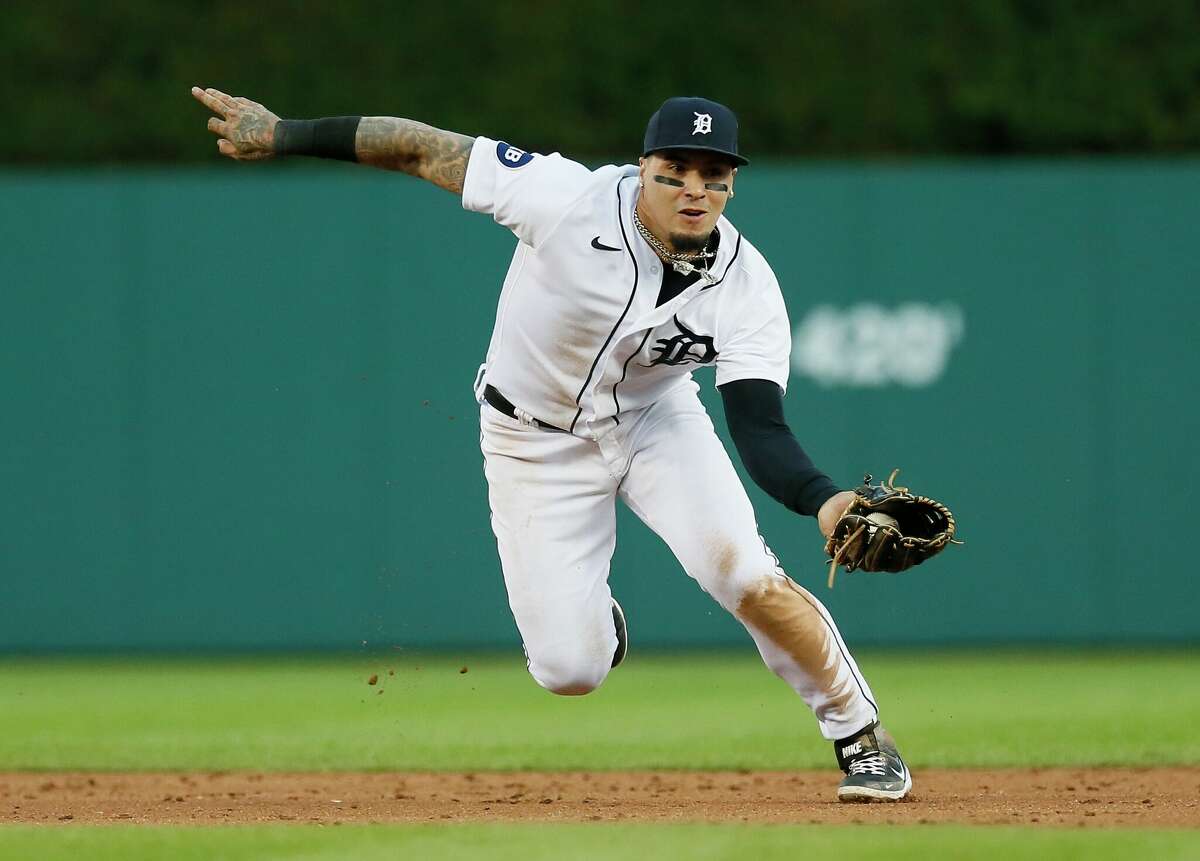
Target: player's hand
x: 246, y: 129
x: 832, y: 511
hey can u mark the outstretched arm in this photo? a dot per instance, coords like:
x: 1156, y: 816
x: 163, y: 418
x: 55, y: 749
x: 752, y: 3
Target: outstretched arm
x: 417, y: 149
x: 773, y: 457
x: 250, y: 132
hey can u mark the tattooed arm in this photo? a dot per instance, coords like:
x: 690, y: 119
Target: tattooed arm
x: 247, y: 132
x: 415, y: 148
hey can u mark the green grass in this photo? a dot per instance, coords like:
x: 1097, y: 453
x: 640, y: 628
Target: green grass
x: 670, y: 711
x: 592, y: 842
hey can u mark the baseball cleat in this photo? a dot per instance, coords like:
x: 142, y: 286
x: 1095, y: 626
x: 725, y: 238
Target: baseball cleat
x: 622, y: 633
x: 874, y: 769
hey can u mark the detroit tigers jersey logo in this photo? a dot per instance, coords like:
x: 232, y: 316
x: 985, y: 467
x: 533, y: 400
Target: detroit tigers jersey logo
x: 686, y: 348
x: 702, y: 124
x: 511, y: 156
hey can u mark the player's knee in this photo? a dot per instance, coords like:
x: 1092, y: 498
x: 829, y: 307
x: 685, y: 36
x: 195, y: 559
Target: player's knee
x: 568, y: 678
x: 731, y: 591
x: 574, y: 687
x: 730, y: 568
x: 762, y: 586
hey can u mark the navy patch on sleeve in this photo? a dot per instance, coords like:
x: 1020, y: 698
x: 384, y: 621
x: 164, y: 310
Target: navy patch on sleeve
x: 510, y: 156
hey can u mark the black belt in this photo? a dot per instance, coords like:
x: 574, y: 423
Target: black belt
x: 505, y: 406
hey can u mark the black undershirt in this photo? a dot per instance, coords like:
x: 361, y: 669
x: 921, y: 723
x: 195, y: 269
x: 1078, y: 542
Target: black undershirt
x: 769, y: 451
x: 673, y: 283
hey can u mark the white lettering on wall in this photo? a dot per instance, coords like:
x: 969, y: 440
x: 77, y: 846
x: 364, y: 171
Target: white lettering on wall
x: 867, y: 345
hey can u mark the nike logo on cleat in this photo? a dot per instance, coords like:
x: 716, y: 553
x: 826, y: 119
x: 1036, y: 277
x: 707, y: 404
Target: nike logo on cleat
x: 852, y: 749
x: 600, y: 246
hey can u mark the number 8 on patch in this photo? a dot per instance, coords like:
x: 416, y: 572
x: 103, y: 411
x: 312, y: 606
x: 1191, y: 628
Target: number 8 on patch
x: 511, y: 156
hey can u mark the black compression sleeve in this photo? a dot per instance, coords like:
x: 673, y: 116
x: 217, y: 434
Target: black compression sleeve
x: 331, y: 137
x: 771, y: 454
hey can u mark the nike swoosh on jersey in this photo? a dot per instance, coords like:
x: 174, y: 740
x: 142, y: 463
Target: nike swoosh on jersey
x: 600, y: 246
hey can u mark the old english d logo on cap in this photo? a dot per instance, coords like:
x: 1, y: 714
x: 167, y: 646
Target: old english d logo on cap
x: 691, y: 122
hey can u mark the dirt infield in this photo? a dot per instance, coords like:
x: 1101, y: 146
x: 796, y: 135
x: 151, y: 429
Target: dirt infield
x: 1058, y: 797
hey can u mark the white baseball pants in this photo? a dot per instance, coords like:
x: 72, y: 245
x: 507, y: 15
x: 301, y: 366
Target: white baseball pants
x: 553, y: 499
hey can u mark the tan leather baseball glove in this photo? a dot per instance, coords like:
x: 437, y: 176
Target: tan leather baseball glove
x: 887, y: 528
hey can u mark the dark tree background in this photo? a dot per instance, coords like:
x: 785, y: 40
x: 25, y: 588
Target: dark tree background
x: 819, y: 78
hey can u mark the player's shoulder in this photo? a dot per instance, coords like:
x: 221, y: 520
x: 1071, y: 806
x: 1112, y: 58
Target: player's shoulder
x: 598, y: 190
x: 603, y: 180
x: 522, y: 184
x: 608, y: 176
x: 516, y: 160
x: 749, y: 266
x: 595, y: 191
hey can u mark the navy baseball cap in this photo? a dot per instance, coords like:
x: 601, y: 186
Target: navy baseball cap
x: 688, y: 122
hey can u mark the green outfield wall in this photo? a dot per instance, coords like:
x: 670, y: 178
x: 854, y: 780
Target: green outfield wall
x: 237, y: 410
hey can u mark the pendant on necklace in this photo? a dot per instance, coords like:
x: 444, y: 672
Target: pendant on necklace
x: 685, y: 268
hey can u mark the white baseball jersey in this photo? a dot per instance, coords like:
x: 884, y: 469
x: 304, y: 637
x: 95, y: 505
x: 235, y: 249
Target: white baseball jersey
x: 581, y: 344
x: 578, y: 336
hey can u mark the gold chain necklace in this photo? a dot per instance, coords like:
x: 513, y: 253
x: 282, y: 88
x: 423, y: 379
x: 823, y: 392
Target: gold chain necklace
x: 680, y: 261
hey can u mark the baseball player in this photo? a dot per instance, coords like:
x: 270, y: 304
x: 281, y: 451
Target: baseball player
x: 624, y: 280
